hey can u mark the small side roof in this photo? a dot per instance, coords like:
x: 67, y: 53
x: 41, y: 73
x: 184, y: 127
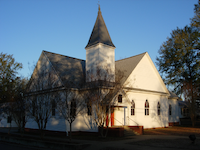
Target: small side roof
x: 183, y: 103
x: 100, y: 33
x: 173, y: 95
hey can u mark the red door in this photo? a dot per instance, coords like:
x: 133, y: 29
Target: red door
x: 112, y: 116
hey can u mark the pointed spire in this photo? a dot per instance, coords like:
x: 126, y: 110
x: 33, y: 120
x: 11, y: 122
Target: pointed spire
x: 99, y: 7
x: 100, y: 33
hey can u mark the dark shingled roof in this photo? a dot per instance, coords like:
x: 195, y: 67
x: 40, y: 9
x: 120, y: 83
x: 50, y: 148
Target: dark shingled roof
x: 68, y: 68
x: 127, y: 65
x: 100, y: 33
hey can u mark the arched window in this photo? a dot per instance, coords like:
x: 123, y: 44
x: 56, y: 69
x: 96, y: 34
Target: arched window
x: 184, y: 111
x: 89, y: 109
x: 120, y: 98
x: 53, y: 108
x: 158, y: 108
x: 9, y: 119
x: 146, y: 108
x: 132, y: 108
x: 170, y: 109
x: 33, y: 108
x: 73, y: 109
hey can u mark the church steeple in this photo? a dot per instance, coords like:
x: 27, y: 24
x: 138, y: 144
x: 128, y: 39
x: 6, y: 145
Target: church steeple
x: 100, y: 33
x: 100, y: 53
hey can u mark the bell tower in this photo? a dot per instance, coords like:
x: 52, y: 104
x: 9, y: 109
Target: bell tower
x: 100, y: 53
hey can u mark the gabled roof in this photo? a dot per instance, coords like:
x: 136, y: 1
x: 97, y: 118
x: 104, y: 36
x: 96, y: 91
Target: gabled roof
x: 131, y: 64
x: 183, y: 103
x: 67, y: 68
x: 100, y: 33
x: 73, y: 69
x: 127, y: 65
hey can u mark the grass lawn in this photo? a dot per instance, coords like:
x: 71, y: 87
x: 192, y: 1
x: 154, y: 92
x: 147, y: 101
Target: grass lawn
x: 175, y: 130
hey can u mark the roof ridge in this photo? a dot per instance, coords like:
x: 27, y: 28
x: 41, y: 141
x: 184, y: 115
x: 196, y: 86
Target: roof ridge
x: 63, y: 55
x: 130, y: 57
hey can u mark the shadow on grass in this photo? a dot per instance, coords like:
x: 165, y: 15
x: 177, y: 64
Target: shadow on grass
x: 179, y: 143
x: 175, y: 130
x: 75, y: 137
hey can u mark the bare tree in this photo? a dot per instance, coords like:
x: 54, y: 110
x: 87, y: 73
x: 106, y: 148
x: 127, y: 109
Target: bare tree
x: 102, y: 89
x: 41, y: 95
x: 70, y: 105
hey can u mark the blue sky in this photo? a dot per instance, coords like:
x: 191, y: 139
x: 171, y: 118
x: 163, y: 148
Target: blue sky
x: 64, y: 26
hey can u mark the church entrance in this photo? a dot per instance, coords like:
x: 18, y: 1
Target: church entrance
x: 111, y: 117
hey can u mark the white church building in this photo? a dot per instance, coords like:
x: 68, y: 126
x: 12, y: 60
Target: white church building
x: 148, y: 102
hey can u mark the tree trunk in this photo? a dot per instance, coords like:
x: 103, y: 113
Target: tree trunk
x: 10, y: 127
x: 193, y: 118
x: 70, y: 136
x: 41, y: 133
x: 102, y: 131
x: 106, y: 131
x: 193, y: 112
x: 23, y: 124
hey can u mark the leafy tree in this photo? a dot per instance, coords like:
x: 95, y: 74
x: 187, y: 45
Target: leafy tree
x: 16, y: 109
x: 9, y: 83
x: 179, y: 60
x: 195, y: 21
x: 8, y: 77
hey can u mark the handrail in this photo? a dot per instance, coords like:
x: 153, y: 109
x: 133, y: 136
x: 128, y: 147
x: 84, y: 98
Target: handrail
x: 132, y: 120
x: 119, y: 121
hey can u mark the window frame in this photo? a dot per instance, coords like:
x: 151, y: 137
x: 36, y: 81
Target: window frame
x: 120, y: 98
x: 132, y: 108
x: 33, y: 108
x: 9, y: 119
x: 89, y: 109
x: 73, y: 108
x: 146, y: 108
x: 170, y: 109
x: 53, y: 111
x: 158, y: 109
x: 185, y: 111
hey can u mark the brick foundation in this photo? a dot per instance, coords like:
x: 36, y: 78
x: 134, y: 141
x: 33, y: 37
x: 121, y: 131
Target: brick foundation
x: 173, y: 123
x: 138, y: 129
